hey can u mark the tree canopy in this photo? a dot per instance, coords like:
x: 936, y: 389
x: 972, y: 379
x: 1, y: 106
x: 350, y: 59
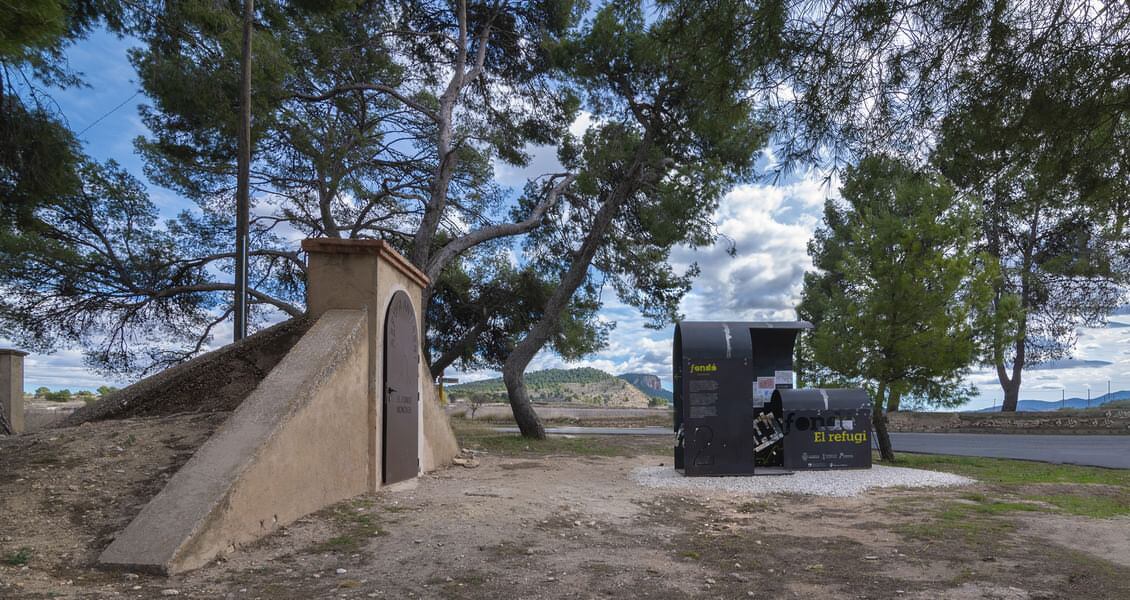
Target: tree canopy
x: 1022, y: 105
x: 673, y: 130
x: 39, y: 156
x: 897, y: 287
x: 388, y: 119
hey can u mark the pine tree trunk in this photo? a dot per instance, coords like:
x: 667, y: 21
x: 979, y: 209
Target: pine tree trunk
x: 879, y: 423
x: 540, y: 333
x: 1011, y: 385
x: 515, y: 366
x: 243, y: 179
x: 1011, y: 397
x: 528, y: 421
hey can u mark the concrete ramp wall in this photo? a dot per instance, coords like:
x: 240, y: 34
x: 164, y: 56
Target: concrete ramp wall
x: 438, y: 444
x: 296, y: 444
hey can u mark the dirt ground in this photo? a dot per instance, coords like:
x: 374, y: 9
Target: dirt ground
x: 556, y: 520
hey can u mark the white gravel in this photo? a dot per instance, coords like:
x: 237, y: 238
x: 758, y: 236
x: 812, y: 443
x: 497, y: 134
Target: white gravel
x: 815, y: 483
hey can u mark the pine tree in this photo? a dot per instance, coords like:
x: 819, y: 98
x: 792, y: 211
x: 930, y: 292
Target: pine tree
x: 896, y: 288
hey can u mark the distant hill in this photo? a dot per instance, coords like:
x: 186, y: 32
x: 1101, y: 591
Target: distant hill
x: 1068, y: 363
x: 1050, y: 405
x: 584, y: 385
x: 648, y: 384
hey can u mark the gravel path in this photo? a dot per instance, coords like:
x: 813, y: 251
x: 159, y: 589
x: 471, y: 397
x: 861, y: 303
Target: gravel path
x: 815, y: 483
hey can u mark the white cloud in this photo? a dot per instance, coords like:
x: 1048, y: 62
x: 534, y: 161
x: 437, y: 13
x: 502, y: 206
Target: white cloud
x: 1103, y: 344
x: 543, y: 159
x: 769, y: 227
x: 581, y: 124
x: 63, y: 369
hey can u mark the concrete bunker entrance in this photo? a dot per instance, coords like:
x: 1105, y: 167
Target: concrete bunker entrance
x: 401, y: 397
x: 346, y: 409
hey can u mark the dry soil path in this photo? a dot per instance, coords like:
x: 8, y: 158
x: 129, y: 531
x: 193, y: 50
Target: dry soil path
x: 534, y: 526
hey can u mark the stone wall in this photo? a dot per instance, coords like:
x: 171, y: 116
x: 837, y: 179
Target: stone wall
x: 503, y: 412
x: 1066, y: 421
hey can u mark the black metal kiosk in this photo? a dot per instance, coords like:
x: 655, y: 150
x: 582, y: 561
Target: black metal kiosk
x: 722, y: 372
x: 734, y: 398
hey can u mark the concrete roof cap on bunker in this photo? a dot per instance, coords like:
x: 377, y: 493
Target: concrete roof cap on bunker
x: 379, y: 247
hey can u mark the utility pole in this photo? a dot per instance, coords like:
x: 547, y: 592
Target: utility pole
x: 243, y: 177
x: 1062, y: 398
x: 1088, y: 396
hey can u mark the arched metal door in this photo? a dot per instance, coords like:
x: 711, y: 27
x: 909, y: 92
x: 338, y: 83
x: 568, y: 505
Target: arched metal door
x: 401, y: 391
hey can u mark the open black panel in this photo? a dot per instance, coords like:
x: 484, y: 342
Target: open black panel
x: 724, y: 374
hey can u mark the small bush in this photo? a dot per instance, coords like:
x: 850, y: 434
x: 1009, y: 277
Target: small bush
x: 18, y: 558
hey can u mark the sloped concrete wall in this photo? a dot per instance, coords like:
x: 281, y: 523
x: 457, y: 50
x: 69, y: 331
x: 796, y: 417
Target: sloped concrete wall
x: 295, y: 445
x: 439, y: 444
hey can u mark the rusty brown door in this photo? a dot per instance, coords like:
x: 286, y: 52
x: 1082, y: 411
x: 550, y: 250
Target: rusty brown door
x: 401, y: 393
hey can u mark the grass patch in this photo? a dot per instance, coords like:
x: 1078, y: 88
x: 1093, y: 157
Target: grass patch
x: 599, y: 568
x: 396, y: 508
x: 754, y: 506
x: 971, y: 520
x: 484, y: 438
x: 356, y: 524
x: 1089, y: 488
x: 1098, y: 507
x: 1008, y: 472
x: 18, y: 558
x: 985, y: 505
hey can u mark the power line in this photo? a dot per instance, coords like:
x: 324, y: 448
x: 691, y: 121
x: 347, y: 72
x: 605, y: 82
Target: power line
x: 99, y: 119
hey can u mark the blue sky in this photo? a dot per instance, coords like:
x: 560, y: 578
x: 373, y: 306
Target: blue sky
x: 769, y: 224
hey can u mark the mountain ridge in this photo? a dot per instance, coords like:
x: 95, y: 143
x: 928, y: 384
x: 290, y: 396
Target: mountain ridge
x: 583, y: 385
x: 648, y: 384
x: 1053, y: 405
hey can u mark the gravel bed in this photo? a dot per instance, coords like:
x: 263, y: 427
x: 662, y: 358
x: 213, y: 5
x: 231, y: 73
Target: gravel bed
x: 814, y: 483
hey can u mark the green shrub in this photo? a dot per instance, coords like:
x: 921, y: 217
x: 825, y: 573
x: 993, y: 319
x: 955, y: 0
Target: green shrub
x: 18, y: 558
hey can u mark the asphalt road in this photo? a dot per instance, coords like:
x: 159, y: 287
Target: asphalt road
x: 1111, y: 451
